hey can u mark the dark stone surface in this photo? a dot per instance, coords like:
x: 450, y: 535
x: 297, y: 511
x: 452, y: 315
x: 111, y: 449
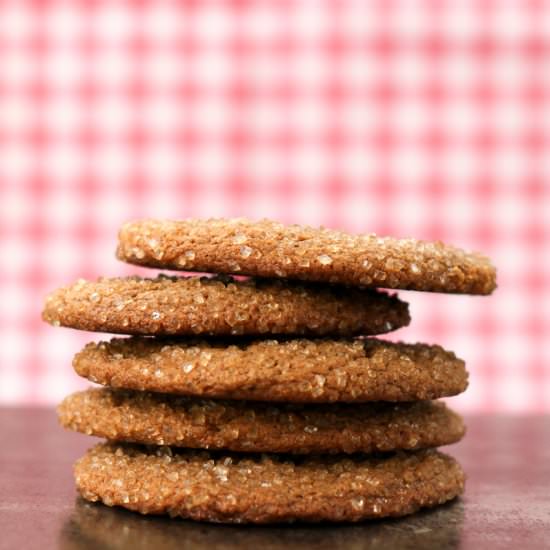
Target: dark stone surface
x: 506, y: 505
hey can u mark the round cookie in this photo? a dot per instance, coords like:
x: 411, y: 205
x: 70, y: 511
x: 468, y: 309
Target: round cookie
x: 235, y: 488
x: 297, y: 370
x: 148, y: 418
x: 270, y: 249
x: 93, y: 526
x: 222, y: 306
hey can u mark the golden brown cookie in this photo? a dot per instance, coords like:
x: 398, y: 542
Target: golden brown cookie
x: 244, y: 488
x: 222, y: 306
x: 270, y: 249
x: 92, y: 526
x: 149, y: 418
x: 296, y: 370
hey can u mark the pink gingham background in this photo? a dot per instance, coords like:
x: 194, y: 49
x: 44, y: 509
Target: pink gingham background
x: 412, y: 118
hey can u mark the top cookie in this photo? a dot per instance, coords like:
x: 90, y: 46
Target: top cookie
x: 270, y: 249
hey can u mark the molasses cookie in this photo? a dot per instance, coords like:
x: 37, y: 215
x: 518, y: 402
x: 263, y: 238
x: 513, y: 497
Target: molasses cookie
x: 159, y: 419
x: 285, y: 370
x: 270, y: 249
x: 243, y: 488
x: 222, y: 306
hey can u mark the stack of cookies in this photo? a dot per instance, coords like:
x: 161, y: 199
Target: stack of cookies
x: 261, y: 398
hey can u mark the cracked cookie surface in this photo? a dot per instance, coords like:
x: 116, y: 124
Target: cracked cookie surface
x: 222, y: 306
x: 270, y: 249
x: 161, y: 419
x: 286, y: 370
x: 242, y: 488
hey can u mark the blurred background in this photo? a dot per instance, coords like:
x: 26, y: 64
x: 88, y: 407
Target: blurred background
x: 412, y: 118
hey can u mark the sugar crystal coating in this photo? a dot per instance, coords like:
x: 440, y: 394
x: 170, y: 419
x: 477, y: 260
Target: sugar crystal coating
x: 222, y: 306
x: 299, y: 370
x: 304, y: 253
x: 266, y: 488
x: 148, y: 418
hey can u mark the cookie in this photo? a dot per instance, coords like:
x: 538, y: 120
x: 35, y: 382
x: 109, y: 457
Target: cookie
x: 296, y: 370
x: 245, y: 488
x: 148, y: 418
x: 222, y: 306
x: 270, y: 249
x: 93, y: 526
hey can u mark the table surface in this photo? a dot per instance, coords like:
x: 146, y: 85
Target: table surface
x: 506, y: 505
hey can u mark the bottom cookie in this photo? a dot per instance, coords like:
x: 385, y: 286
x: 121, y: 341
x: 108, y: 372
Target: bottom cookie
x: 92, y: 526
x: 228, y: 488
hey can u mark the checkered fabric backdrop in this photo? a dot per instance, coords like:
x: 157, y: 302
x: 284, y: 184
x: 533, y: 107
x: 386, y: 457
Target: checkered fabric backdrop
x: 412, y: 118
